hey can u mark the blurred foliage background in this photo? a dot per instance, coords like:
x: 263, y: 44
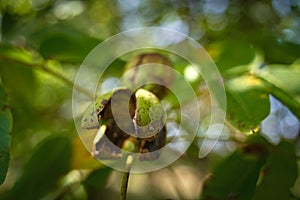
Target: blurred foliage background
x: 255, y: 44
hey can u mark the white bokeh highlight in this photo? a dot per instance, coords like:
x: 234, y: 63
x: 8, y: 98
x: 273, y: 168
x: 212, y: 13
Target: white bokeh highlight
x: 280, y: 123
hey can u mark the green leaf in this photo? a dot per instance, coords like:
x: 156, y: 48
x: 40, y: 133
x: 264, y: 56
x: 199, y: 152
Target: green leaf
x: 115, y: 69
x: 17, y: 54
x: 231, y: 53
x: 20, y: 83
x: 95, y: 183
x: 49, y: 162
x: 285, y: 83
x: 5, y: 128
x: 276, y: 50
x: 236, y: 176
x: 17, y: 72
x: 68, y: 45
x: 247, y: 102
x: 279, y: 175
x: 24, y: 87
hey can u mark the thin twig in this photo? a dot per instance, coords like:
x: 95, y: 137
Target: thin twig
x: 124, y: 185
x: 58, y: 75
x: 44, y: 66
x: 125, y: 178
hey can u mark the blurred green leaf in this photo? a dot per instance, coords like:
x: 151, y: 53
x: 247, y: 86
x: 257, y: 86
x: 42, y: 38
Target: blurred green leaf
x: 17, y: 72
x: 95, y: 182
x: 19, y: 80
x: 20, y: 84
x: 236, y: 176
x: 66, y: 44
x: 231, y: 53
x: 247, y: 102
x: 279, y: 174
x: 81, y: 156
x: 285, y: 81
x: 63, y: 32
x: 275, y: 50
x: 5, y: 128
x: 115, y: 69
x: 17, y: 54
x: 50, y: 160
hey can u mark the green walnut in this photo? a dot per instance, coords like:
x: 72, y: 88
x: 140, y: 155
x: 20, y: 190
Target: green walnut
x: 90, y: 118
x: 99, y: 112
x: 143, y: 132
x: 149, y: 115
x: 99, y: 116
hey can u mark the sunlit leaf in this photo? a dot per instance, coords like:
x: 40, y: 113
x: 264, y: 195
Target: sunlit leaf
x: 50, y: 160
x: 285, y: 81
x: 12, y: 53
x: 5, y: 128
x: 247, y: 102
x: 279, y: 174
